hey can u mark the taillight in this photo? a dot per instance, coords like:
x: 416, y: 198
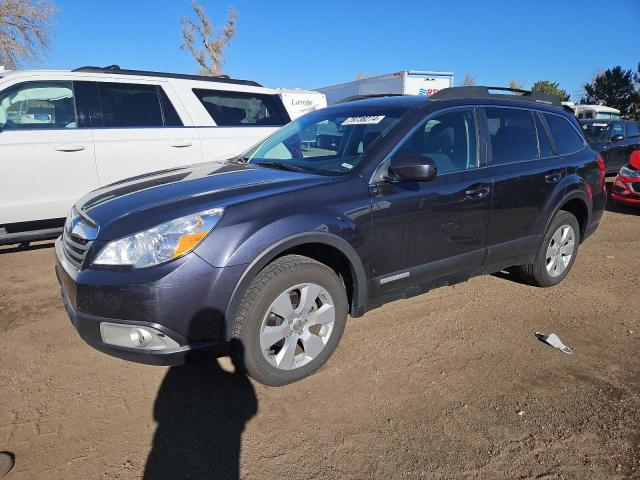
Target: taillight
x: 601, y: 167
x: 634, y: 159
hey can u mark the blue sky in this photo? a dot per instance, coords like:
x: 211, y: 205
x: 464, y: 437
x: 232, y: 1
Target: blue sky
x: 307, y: 45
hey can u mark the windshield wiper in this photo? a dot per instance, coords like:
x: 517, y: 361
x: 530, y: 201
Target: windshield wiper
x: 282, y: 166
x: 239, y: 160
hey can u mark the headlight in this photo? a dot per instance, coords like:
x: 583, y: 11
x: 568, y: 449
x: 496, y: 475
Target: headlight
x: 162, y: 243
x: 627, y: 172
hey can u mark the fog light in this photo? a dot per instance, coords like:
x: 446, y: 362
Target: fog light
x: 141, y: 337
x: 135, y: 336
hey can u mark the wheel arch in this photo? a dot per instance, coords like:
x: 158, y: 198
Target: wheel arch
x: 577, y: 203
x: 324, y: 247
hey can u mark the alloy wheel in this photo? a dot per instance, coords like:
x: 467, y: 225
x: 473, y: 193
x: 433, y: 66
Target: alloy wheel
x: 297, y: 326
x: 560, y: 250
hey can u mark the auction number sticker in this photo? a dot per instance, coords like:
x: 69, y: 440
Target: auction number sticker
x: 366, y: 120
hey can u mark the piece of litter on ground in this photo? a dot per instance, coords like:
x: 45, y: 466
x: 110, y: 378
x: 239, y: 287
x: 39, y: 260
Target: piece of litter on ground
x: 520, y: 413
x: 7, y: 461
x: 554, y: 340
x: 611, y: 257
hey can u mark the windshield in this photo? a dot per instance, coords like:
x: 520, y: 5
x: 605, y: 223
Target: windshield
x: 596, y: 132
x: 608, y: 115
x: 329, y: 142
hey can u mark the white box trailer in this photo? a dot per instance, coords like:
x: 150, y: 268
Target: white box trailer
x: 406, y: 82
x: 298, y: 101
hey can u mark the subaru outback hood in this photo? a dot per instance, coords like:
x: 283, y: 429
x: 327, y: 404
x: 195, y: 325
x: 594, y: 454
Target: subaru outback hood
x: 147, y: 200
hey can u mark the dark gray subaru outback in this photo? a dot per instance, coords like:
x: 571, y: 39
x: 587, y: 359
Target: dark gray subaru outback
x: 349, y: 207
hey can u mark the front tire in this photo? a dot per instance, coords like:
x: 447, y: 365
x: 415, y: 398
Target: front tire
x: 290, y: 320
x: 556, y: 253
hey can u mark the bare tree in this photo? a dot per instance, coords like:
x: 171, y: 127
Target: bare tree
x: 210, y: 56
x: 516, y: 85
x: 25, y: 29
x: 469, y: 80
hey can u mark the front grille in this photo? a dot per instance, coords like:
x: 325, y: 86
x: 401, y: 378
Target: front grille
x: 77, y: 237
x: 75, y: 248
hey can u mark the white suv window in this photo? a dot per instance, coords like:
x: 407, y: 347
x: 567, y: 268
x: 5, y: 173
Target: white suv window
x: 130, y: 105
x: 242, y: 108
x: 38, y: 105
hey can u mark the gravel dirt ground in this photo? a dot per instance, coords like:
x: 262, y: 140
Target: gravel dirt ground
x: 451, y: 384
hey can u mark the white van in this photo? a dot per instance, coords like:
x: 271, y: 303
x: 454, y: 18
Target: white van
x: 64, y: 133
x: 587, y: 112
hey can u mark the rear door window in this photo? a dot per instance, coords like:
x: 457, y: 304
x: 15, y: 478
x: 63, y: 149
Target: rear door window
x: 568, y: 139
x: 38, y: 105
x: 129, y: 105
x: 513, y: 135
x: 242, y: 108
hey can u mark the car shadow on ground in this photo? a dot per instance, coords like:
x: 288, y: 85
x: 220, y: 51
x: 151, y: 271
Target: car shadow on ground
x: 614, y: 207
x: 510, y: 275
x: 4, y: 249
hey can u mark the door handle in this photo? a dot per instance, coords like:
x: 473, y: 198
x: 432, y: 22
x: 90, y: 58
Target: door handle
x: 553, y: 177
x: 477, y: 193
x: 69, y: 148
x: 180, y: 143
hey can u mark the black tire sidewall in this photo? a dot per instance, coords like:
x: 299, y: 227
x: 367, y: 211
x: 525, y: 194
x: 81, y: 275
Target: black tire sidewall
x: 562, y: 218
x: 254, y: 361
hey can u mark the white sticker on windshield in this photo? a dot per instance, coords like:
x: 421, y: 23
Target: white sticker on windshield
x: 366, y: 120
x: 347, y: 165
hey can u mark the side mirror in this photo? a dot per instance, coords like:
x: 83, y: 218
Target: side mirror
x: 617, y: 138
x: 412, y: 167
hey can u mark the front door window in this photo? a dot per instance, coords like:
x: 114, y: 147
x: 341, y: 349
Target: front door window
x: 37, y: 106
x: 449, y: 139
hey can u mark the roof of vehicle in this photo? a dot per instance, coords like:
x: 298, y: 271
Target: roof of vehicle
x: 521, y: 97
x: 381, y: 101
x: 115, y: 70
x: 599, y: 108
x: 603, y: 120
x: 122, y: 71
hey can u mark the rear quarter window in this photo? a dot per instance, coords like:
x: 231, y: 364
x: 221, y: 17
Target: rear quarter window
x: 242, y: 108
x: 567, y: 138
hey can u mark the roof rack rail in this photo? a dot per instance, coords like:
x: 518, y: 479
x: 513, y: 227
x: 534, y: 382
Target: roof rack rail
x: 485, y: 92
x: 353, y: 98
x: 182, y: 76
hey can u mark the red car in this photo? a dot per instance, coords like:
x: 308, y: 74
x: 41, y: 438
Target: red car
x: 626, y: 186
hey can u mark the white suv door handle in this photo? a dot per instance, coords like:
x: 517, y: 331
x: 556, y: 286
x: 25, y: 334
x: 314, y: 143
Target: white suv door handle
x: 180, y: 143
x: 69, y: 148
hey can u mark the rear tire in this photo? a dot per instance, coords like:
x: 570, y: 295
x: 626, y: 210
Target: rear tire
x: 556, y: 253
x: 290, y: 320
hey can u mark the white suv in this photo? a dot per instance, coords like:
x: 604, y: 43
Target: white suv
x: 64, y: 133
